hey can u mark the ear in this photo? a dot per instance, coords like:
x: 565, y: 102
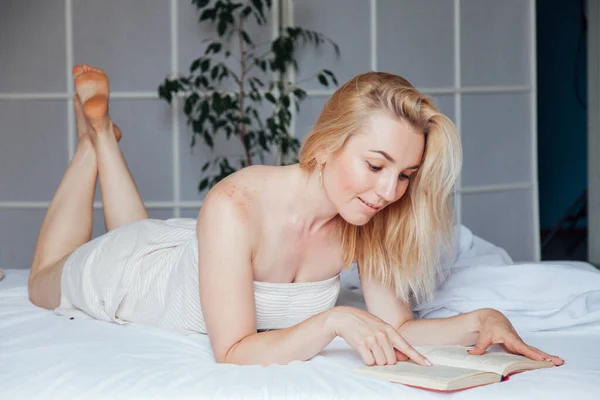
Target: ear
x: 323, y: 157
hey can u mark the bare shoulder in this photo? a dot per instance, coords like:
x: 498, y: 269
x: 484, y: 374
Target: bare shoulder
x: 239, y: 198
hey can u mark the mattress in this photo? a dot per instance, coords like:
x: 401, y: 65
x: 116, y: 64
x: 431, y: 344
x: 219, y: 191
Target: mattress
x: 46, y: 356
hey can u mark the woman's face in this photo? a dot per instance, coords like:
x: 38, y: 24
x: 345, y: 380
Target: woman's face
x: 373, y: 169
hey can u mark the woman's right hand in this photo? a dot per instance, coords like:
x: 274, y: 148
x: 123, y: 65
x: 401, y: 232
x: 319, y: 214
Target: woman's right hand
x: 376, y: 341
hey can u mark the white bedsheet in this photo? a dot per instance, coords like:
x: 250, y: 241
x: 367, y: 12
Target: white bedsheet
x: 43, y: 355
x: 46, y: 356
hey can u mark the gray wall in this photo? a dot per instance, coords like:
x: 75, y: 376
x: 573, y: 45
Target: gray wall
x: 472, y: 56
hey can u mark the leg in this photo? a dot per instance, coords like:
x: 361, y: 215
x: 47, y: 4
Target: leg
x: 121, y: 200
x: 68, y: 221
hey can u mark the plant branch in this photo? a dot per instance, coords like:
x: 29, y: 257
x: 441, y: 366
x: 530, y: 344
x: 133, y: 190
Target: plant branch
x: 299, y: 81
x: 258, y: 58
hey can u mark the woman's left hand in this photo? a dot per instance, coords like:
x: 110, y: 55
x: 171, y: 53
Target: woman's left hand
x: 495, y: 328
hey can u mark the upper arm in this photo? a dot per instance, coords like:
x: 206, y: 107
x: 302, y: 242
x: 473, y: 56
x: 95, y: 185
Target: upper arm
x: 225, y: 272
x: 382, y: 302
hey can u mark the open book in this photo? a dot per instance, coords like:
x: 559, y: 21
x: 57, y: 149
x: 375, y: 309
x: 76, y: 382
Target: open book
x: 454, y: 369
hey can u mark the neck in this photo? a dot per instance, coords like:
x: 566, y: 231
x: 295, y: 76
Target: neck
x: 310, y: 207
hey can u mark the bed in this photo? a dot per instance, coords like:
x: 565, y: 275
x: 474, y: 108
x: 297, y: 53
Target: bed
x: 43, y: 355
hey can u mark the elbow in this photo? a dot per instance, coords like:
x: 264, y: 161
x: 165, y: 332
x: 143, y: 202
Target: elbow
x: 226, y: 357
x: 229, y: 355
x: 222, y: 359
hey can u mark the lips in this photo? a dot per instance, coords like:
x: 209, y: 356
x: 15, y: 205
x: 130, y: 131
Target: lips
x: 370, y: 205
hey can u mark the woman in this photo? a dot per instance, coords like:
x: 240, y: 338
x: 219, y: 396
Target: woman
x: 259, y: 270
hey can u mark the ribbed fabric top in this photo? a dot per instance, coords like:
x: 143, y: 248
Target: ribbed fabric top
x: 148, y: 272
x: 281, y: 305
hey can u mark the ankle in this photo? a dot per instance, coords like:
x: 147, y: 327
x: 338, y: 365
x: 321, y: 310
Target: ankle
x: 85, y: 145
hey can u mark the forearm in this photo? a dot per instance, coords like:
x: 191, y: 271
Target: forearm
x: 459, y: 330
x: 299, y: 342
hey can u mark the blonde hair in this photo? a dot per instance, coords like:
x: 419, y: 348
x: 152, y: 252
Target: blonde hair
x: 402, y: 245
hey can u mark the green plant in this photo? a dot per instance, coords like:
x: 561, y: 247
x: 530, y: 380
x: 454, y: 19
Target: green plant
x: 212, y: 111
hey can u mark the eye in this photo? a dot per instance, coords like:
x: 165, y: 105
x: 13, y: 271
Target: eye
x: 403, y: 177
x: 373, y: 168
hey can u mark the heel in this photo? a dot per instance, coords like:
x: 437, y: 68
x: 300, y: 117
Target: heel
x: 96, y: 107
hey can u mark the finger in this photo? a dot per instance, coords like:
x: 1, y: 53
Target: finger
x: 401, y: 344
x: 483, y: 342
x: 378, y: 354
x: 556, y: 360
x: 400, y: 356
x: 519, y: 347
x: 535, y: 353
x: 386, y: 345
x: 365, y: 354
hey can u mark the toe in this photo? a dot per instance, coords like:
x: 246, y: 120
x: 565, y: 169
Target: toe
x: 78, y: 70
x: 89, y: 68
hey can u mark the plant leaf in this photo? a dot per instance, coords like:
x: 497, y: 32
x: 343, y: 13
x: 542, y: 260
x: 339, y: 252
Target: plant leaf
x: 207, y: 14
x: 214, y: 47
x: 259, y: 7
x: 300, y: 93
x: 222, y: 27
x: 208, y: 140
x: 331, y: 75
x: 262, y: 140
x: 247, y: 38
x: 270, y: 97
x: 203, y: 184
x: 205, y: 64
x: 200, y: 3
x: 190, y: 102
x: 246, y: 11
x: 195, y: 64
x: 323, y: 80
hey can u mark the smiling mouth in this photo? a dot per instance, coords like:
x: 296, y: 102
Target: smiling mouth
x: 373, y: 206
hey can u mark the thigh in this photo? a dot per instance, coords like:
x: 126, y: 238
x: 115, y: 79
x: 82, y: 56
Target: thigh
x: 44, y: 286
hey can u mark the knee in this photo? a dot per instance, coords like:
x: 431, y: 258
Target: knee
x: 34, y: 271
x: 39, y: 294
x: 31, y: 290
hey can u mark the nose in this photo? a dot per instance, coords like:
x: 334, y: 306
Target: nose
x: 387, y: 188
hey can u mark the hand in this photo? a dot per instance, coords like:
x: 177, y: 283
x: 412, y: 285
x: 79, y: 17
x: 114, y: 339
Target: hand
x: 495, y: 328
x: 376, y: 341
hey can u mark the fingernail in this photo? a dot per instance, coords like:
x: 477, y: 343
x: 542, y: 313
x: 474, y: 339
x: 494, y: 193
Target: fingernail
x: 428, y: 363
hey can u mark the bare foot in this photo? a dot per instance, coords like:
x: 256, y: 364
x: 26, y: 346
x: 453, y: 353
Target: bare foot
x: 92, y: 89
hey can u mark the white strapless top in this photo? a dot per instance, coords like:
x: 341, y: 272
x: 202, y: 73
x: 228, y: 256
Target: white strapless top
x: 281, y: 305
x: 146, y: 272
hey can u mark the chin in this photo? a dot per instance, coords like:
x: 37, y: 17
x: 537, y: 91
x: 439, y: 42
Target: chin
x: 355, y: 218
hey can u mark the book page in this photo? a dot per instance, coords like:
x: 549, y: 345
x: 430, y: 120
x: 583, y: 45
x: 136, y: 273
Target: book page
x: 436, y: 377
x: 410, y: 369
x: 457, y: 356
